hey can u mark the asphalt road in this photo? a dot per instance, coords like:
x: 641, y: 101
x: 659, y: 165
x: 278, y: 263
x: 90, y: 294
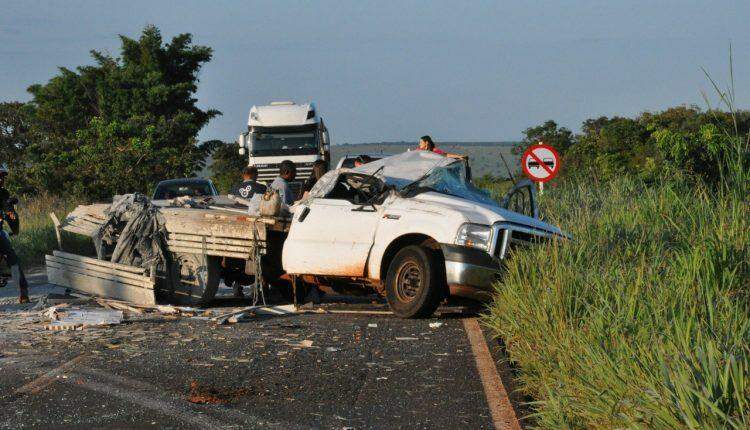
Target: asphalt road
x: 297, y: 371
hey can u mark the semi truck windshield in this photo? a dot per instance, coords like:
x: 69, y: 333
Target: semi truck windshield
x: 285, y: 143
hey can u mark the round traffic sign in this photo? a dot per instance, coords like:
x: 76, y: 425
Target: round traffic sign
x: 540, y: 163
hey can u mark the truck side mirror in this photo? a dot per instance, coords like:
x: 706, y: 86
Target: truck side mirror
x: 325, y: 139
x: 242, y: 143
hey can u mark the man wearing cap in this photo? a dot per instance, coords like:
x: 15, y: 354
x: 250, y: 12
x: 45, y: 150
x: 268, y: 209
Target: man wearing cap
x: 6, y: 248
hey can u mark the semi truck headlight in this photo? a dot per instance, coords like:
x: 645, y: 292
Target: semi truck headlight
x: 475, y: 236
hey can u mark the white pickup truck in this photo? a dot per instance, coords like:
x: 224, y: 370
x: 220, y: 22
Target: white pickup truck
x: 411, y: 227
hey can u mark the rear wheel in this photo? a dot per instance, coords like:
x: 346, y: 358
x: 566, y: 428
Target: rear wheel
x: 195, y: 282
x: 413, y: 285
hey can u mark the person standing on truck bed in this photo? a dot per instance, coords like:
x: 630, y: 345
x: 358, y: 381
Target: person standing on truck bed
x: 6, y: 248
x: 287, y: 173
x: 362, y: 160
x: 319, y: 169
x: 426, y: 144
x: 250, y: 185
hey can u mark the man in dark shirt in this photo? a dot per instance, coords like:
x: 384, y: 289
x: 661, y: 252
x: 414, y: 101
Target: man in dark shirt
x: 6, y: 248
x: 250, y: 185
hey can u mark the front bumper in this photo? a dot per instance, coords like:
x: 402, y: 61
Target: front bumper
x: 470, y: 272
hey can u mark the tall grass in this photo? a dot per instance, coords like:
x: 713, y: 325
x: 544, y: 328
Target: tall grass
x: 37, y: 235
x: 643, y: 319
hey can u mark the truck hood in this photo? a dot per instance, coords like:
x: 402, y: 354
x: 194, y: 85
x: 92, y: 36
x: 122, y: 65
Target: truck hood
x: 477, y: 213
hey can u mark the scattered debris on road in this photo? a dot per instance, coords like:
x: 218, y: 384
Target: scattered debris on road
x: 212, y: 396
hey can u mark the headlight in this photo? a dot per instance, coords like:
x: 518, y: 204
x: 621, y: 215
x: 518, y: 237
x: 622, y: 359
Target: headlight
x: 475, y: 236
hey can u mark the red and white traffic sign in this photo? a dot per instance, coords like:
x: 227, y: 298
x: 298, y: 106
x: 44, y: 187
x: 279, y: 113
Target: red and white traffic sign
x: 540, y: 163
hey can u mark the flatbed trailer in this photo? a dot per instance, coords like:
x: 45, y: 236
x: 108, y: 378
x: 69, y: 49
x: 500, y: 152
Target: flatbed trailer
x: 203, y: 244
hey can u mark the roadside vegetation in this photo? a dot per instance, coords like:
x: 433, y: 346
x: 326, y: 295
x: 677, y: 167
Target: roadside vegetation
x: 642, y: 320
x: 37, y: 236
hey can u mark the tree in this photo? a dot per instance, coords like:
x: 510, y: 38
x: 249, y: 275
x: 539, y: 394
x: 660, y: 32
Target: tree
x: 16, y: 136
x: 227, y: 166
x: 549, y: 133
x: 124, y: 123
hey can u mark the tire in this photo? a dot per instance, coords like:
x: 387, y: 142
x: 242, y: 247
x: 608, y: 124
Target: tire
x: 193, y: 282
x: 413, y: 287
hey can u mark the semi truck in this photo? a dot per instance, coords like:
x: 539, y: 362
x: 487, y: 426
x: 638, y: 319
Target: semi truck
x: 281, y: 131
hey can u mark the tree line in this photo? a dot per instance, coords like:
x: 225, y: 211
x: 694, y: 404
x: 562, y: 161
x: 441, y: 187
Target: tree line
x: 124, y: 123
x: 683, y: 140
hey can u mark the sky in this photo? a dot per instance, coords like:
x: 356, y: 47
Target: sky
x: 395, y: 70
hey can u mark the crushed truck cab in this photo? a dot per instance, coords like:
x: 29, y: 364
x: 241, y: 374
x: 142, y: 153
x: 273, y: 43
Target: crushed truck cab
x: 411, y: 226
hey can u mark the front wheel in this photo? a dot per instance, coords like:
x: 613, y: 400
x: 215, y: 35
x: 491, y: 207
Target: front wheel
x: 413, y: 285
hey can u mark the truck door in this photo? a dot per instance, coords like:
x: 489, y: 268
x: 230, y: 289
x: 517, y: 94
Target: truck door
x: 522, y: 199
x: 332, y: 235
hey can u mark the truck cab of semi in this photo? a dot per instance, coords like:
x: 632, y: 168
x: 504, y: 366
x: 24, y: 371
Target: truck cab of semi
x: 284, y: 131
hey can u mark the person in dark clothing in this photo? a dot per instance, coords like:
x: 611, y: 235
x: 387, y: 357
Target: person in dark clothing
x: 6, y: 248
x: 250, y: 185
x: 319, y: 168
x: 231, y: 267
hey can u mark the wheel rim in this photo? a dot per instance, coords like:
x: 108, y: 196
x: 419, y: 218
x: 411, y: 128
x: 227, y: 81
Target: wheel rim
x: 409, y: 281
x: 192, y: 277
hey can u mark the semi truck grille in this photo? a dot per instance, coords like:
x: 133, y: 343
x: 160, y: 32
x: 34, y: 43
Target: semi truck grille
x: 268, y: 174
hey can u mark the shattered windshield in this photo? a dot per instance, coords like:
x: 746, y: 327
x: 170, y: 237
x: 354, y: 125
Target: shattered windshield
x: 450, y: 180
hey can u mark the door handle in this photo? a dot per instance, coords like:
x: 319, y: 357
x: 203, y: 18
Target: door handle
x: 303, y: 214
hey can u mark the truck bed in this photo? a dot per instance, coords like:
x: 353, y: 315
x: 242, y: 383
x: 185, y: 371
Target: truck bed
x: 219, y: 231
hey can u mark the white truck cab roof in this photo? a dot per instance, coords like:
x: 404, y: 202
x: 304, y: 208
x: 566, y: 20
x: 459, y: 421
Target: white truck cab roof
x: 281, y: 114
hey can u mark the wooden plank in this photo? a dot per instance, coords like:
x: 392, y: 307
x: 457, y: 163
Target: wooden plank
x: 97, y: 262
x: 207, y: 228
x: 78, y: 230
x: 100, y: 287
x: 211, y: 252
x: 215, y: 247
x: 92, y: 220
x: 140, y: 284
x: 102, y: 272
x: 56, y: 224
x: 95, y: 267
x: 211, y: 239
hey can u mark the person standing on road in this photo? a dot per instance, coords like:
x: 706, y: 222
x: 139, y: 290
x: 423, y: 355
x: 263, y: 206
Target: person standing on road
x: 250, y: 185
x: 287, y: 173
x: 6, y: 248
